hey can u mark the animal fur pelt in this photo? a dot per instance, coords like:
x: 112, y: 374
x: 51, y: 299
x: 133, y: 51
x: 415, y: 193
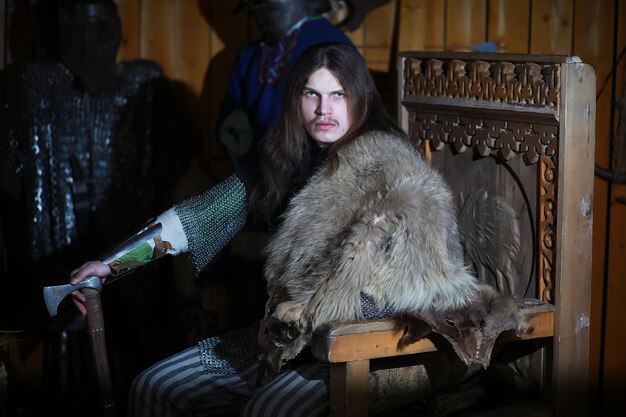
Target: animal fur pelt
x: 384, y: 224
x: 476, y: 377
x: 472, y: 330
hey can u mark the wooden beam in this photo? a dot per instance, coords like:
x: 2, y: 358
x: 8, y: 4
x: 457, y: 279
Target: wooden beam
x: 349, y: 382
x: 345, y: 342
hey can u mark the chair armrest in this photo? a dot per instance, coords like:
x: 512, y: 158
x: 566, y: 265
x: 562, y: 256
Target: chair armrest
x: 350, y: 341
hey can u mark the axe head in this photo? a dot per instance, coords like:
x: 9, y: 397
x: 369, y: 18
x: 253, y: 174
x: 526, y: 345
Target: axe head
x: 55, y: 294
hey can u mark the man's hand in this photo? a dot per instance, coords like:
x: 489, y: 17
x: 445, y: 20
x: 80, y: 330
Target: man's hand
x: 91, y: 268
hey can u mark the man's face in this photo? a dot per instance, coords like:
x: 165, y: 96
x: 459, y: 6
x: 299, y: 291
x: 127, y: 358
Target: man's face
x: 325, y: 107
x: 276, y: 18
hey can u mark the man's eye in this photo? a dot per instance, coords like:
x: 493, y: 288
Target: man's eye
x: 340, y: 94
x: 309, y: 94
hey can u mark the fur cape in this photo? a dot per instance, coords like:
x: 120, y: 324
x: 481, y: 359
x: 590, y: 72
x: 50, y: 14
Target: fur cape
x: 383, y: 223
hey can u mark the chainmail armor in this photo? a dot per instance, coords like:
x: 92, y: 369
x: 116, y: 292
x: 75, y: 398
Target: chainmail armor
x: 52, y: 132
x: 231, y: 352
x: 210, y: 220
x: 234, y: 351
x: 371, y: 310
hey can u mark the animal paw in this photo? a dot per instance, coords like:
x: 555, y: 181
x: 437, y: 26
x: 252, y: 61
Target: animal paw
x: 289, y: 311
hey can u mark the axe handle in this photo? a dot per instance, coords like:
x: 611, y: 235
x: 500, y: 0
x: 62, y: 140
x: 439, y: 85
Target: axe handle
x: 95, y: 328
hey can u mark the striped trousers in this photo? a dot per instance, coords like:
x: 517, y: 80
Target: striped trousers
x: 181, y: 386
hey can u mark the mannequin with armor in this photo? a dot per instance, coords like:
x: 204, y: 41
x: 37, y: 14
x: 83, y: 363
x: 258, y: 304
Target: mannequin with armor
x: 80, y: 152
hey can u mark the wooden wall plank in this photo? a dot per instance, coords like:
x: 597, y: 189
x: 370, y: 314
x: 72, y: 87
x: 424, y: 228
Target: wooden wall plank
x: 156, y: 37
x: 192, y: 58
x: 552, y: 23
x: 593, y: 37
x: 615, y: 337
x: 378, y: 29
x: 412, y: 25
x: 435, y: 18
x: 129, y: 16
x: 380, y: 24
x: 357, y: 37
x: 511, y: 38
x: 465, y: 24
x: 421, y: 25
x: 193, y: 51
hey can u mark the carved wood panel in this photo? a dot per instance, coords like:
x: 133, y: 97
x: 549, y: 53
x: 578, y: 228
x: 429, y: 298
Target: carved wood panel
x: 547, y: 222
x: 503, y: 109
x: 536, y: 144
x: 496, y: 218
x: 527, y: 84
x: 486, y: 136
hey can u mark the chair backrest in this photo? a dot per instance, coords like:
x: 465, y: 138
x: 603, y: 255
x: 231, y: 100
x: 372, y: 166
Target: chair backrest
x: 514, y: 137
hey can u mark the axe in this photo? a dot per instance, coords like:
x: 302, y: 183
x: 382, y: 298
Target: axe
x: 91, y: 288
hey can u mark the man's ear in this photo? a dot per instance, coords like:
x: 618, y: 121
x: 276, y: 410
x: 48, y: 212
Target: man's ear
x: 412, y: 326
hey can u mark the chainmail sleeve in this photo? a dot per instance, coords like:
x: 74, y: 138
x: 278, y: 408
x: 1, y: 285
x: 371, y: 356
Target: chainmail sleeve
x: 210, y: 220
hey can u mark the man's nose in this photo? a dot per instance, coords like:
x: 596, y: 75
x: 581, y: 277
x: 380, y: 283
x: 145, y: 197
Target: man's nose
x: 323, y: 108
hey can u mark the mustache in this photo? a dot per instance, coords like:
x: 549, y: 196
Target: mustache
x: 326, y: 119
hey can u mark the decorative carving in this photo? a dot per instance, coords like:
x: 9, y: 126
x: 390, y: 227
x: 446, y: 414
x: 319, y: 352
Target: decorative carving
x: 494, y: 86
x: 507, y: 138
x: 547, y: 218
x: 527, y: 84
x: 490, y: 233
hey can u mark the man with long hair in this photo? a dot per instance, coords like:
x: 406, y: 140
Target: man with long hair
x: 362, y: 227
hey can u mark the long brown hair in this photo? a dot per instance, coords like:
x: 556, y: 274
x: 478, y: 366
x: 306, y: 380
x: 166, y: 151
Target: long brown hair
x: 286, y: 151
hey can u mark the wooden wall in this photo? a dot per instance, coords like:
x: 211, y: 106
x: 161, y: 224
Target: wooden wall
x: 196, y: 41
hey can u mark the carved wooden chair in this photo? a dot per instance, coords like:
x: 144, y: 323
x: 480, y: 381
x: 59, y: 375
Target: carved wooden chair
x: 514, y: 137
